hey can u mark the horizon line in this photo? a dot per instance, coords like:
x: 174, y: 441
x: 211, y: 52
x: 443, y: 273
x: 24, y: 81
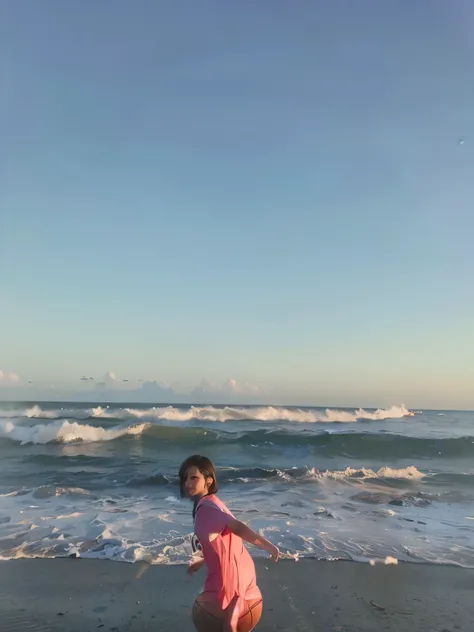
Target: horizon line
x: 223, y: 405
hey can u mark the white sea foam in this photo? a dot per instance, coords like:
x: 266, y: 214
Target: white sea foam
x: 38, y: 413
x: 157, y: 529
x: 75, y: 514
x: 258, y: 413
x: 387, y: 561
x: 227, y: 413
x: 410, y: 472
x: 64, y: 432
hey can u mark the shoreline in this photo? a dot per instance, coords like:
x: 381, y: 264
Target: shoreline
x: 258, y: 559
x: 81, y: 595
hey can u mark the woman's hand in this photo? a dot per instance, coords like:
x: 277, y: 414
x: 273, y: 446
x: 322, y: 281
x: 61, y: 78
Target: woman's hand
x: 273, y: 551
x: 195, y: 566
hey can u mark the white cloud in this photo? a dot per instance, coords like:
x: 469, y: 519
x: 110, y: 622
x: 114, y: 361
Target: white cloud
x: 232, y: 386
x: 113, y: 381
x: 228, y: 388
x: 110, y: 377
x: 8, y: 378
x: 113, y: 388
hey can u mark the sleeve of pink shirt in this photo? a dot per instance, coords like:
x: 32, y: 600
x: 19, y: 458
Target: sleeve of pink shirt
x: 212, y: 519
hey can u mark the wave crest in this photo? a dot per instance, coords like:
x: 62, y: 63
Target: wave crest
x: 64, y: 432
x: 252, y: 474
x: 257, y: 413
x: 219, y: 414
x: 410, y: 473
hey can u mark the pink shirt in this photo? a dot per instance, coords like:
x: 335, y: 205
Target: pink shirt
x: 230, y: 568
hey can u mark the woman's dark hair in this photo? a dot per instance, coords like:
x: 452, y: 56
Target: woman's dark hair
x: 204, y: 465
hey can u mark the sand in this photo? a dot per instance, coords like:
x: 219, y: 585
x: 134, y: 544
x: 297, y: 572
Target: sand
x: 87, y: 595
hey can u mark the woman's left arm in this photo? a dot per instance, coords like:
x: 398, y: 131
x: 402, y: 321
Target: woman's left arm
x: 244, y: 532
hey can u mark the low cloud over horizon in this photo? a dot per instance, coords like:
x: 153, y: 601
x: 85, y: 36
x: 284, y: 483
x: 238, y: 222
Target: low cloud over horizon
x: 112, y: 388
x: 7, y: 377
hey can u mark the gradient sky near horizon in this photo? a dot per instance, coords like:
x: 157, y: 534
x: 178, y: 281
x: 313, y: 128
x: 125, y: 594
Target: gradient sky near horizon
x: 278, y: 192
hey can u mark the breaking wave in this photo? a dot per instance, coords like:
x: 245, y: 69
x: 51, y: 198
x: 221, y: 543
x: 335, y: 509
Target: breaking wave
x: 223, y: 414
x: 64, y: 432
x: 244, y: 475
x: 261, y: 413
x: 350, y: 445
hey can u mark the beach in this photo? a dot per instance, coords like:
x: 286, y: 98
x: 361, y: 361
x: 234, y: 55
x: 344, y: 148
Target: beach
x: 86, y: 595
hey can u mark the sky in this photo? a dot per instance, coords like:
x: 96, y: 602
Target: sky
x: 274, y: 197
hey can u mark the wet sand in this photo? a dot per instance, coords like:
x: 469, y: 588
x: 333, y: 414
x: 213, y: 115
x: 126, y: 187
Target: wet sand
x: 86, y: 595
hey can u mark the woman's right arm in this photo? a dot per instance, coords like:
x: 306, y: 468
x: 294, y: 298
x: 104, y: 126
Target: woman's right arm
x: 244, y: 532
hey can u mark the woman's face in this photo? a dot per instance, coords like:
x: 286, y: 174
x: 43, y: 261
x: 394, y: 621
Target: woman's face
x: 195, y: 484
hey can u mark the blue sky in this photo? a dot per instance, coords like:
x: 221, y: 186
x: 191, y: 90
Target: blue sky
x: 278, y: 193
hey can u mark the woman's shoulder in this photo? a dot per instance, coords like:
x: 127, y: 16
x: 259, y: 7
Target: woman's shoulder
x: 213, y: 501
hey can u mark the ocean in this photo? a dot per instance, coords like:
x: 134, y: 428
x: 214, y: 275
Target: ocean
x: 100, y: 481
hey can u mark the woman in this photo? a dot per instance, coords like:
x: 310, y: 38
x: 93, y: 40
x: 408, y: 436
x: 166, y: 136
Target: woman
x: 231, y: 601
